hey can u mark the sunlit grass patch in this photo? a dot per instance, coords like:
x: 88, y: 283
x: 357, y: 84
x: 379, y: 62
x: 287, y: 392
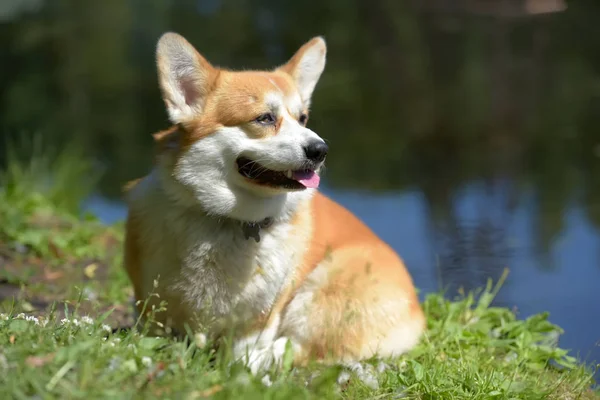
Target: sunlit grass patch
x: 37, y: 172
x: 471, y: 351
x: 41, y: 190
x: 49, y: 250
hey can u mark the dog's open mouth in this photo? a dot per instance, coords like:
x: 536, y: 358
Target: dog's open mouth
x: 290, y: 179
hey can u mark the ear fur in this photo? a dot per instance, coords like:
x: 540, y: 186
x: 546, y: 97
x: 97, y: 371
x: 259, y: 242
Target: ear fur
x: 184, y: 77
x: 306, y: 66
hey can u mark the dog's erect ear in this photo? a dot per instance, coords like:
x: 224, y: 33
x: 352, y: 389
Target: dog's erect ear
x: 306, y: 66
x: 184, y: 76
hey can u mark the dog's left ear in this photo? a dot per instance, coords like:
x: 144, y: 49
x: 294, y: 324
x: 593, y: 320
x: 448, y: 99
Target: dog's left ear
x: 306, y: 66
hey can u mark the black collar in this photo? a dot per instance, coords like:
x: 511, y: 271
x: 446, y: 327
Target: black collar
x: 252, y: 229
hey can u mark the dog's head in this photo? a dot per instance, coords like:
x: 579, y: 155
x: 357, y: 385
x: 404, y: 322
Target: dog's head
x: 242, y: 148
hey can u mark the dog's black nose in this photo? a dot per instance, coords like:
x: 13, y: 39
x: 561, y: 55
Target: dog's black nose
x: 316, y: 150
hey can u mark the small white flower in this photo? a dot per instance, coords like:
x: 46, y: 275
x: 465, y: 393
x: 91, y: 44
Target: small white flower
x: 107, y: 328
x: 146, y: 361
x: 75, y: 322
x: 200, y: 340
x: 64, y: 321
x: 266, y: 380
x: 31, y: 318
x: 87, y: 320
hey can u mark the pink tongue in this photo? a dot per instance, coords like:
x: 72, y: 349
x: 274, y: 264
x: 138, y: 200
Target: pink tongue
x: 307, y: 178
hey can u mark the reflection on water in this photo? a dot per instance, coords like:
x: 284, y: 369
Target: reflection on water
x: 465, y: 134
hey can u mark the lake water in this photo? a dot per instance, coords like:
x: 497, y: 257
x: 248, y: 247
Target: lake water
x: 562, y: 280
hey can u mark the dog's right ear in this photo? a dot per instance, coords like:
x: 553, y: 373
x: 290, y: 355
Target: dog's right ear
x: 184, y: 77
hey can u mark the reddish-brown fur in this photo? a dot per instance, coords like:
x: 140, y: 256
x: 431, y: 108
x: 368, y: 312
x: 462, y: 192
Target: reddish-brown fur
x: 348, y: 310
x: 238, y: 98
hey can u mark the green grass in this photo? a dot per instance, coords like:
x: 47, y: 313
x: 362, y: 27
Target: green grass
x: 64, y: 291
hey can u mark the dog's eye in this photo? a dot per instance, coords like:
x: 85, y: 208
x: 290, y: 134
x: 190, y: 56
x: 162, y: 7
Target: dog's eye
x: 266, y: 119
x: 303, y: 119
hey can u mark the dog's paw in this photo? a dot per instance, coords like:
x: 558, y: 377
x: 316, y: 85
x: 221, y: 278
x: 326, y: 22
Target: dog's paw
x: 263, y: 359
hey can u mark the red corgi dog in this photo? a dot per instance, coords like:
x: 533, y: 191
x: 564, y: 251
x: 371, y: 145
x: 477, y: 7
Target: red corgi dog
x: 229, y: 229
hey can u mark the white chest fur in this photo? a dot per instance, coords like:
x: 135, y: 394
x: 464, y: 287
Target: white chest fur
x: 207, y: 264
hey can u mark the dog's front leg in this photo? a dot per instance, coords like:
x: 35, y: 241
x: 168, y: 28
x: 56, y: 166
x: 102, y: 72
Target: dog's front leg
x: 262, y: 350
